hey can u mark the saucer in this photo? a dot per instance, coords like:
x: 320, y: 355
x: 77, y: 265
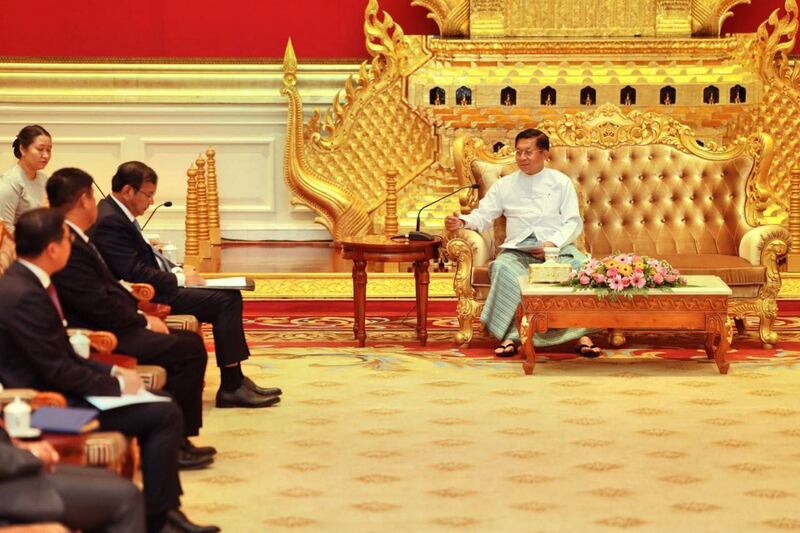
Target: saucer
x: 27, y: 433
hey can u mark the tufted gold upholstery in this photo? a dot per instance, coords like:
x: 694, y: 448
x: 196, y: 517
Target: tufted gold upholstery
x: 645, y: 186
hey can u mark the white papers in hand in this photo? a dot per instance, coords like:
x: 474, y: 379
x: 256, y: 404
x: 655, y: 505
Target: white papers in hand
x: 104, y: 403
x: 218, y: 283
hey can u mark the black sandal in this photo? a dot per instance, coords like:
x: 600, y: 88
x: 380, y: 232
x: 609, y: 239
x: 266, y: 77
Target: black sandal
x: 590, y: 351
x: 507, y: 349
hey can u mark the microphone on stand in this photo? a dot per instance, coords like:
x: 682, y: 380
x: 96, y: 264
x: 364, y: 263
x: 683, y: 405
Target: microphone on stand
x: 421, y: 235
x: 165, y: 204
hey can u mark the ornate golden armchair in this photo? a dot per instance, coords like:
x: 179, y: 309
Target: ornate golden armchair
x: 646, y: 184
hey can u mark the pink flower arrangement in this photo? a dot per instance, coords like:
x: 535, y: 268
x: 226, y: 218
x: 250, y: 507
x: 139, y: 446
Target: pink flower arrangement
x: 625, y: 274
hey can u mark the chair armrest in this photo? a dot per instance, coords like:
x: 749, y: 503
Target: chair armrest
x: 479, y: 249
x: 35, y: 398
x: 467, y: 249
x: 144, y: 292
x: 100, y: 341
x: 161, y: 311
x: 765, y: 245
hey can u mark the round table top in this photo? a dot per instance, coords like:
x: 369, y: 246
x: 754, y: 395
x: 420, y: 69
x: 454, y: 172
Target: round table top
x: 380, y: 244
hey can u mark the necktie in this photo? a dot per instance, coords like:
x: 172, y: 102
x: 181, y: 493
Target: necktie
x: 162, y: 262
x: 51, y: 291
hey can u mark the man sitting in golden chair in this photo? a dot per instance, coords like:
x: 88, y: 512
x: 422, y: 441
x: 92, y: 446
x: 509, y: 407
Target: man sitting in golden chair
x: 541, y: 209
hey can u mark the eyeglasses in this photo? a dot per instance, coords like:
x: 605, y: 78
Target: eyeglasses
x: 527, y: 153
x: 149, y: 195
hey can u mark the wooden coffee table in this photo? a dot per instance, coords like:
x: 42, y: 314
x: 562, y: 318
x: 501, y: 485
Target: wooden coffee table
x: 701, y: 305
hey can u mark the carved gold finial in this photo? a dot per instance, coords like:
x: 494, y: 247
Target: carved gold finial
x: 390, y: 225
x: 667, y: 100
x: 452, y: 16
x: 213, y: 198
x: 708, y: 15
x: 736, y: 98
x: 202, y: 209
x: 627, y: 99
x: 588, y: 102
x: 191, y: 255
x: 548, y: 101
x: 289, y: 66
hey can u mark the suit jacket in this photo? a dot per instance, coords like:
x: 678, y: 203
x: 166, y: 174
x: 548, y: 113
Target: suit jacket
x: 34, y: 348
x: 90, y: 294
x: 126, y: 252
x: 27, y: 495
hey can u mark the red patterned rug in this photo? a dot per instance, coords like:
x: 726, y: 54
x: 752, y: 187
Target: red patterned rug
x: 390, y: 324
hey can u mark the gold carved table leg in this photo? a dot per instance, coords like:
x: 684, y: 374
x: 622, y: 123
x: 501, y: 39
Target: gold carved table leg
x: 524, y: 326
x: 718, y: 325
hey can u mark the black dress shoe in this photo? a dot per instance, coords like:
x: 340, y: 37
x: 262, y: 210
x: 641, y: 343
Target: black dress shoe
x: 244, y: 397
x: 177, y: 521
x: 198, y: 450
x: 263, y: 391
x: 193, y: 461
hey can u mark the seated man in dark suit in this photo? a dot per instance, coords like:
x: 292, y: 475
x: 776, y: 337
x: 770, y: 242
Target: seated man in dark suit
x: 93, y: 298
x: 36, y: 488
x: 35, y: 352
x: 118, y: 236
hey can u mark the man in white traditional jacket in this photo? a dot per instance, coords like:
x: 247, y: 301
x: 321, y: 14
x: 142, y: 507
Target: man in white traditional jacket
x: 541, y: 209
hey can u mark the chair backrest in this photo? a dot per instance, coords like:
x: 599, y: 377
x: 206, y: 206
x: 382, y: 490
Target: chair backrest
x: 644, y: 182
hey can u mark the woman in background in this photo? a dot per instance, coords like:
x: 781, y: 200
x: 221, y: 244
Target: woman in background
x: 22, y: 186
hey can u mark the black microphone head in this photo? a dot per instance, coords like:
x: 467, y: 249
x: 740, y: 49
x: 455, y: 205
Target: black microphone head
x: 475, y: 186
x: 167, y: 204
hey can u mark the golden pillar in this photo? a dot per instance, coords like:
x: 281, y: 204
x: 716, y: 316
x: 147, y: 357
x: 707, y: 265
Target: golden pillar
x: 390, y: 225
x: 191, y: 256
x: 203, y: 235
x: 213, y: 198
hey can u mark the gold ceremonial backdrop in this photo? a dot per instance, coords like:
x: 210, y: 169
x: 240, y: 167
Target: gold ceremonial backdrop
x: 486, y: 76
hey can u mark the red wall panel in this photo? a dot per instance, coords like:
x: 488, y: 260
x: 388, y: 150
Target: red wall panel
x: 321, y: 29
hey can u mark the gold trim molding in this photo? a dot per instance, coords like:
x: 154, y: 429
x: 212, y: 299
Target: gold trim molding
x: 43, y: 82
x: 315, y: 286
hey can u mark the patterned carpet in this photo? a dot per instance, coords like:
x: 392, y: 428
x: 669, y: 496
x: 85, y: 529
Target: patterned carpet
x: 397, y: 437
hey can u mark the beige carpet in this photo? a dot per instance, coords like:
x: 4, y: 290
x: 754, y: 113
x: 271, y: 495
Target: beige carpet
x: 377, y: 440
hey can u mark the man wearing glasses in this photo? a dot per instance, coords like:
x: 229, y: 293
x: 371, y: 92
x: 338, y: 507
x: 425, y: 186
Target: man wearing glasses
x: 541, y: 209
x: 118, y: 236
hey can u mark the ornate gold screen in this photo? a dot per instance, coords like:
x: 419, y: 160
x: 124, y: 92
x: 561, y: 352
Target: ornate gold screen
x: 502, y: 65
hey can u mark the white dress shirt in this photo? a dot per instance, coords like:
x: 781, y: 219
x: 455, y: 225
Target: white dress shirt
x: 19, y: 194
x: 544, y: 204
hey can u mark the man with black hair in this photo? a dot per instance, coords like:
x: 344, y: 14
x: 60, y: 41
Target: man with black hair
x: 541, y: 209
x: 35, y: 352
x: 119, y: 238
x: 93, y: 298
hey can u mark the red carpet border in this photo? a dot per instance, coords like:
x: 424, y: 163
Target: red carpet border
x: 390, y: 325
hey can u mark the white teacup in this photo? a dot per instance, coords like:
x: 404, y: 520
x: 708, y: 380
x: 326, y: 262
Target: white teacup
x: 17, y: 415
x: 551, y: 253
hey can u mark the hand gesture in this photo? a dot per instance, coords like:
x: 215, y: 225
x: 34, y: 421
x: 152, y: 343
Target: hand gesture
x: 156, y: 324
x: 453, y: 223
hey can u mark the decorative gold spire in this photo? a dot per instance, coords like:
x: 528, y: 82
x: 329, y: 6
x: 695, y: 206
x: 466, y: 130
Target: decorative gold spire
x: 452, y: 16
x: 390, y: 226
x: 213, y: 198
x: 191, y: 255
x: 202, y: 209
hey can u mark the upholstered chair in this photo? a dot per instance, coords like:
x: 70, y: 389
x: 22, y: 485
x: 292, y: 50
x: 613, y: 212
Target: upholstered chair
x: 645, y: 185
